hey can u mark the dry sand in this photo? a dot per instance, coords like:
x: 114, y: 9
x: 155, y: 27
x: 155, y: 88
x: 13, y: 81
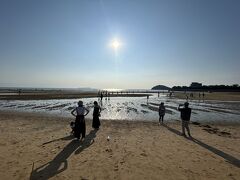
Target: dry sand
x: 35, y: 146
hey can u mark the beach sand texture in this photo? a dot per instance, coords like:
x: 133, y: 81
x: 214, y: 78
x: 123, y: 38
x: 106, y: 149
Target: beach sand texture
x: 34, y: 146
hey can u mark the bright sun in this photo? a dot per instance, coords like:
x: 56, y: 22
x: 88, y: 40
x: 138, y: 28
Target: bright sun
x: 115, y: 44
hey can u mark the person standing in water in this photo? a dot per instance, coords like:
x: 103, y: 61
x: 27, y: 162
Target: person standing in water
x: 96, y: 113
x: 161, y: 111
x: 185, y: 116
x: 80, y: 125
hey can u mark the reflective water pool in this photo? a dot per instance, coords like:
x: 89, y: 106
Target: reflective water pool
x: 132, y: 108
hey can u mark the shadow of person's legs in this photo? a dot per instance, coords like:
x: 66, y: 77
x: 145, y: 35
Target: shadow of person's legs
x: 88, y: 141
x: 60, y: 139
x: 59, y: 163
x: 227, y: 157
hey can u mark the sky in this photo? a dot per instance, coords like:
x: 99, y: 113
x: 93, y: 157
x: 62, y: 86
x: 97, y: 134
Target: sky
x: 66, y: 43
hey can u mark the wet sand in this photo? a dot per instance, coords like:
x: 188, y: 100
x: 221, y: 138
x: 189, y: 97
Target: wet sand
x: 36, y: 146
x: 44, y: 95
x: 218, y: 96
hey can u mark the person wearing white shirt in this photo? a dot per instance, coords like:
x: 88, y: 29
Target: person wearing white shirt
x: 80, y: 126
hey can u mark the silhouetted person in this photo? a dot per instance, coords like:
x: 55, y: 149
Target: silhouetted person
x: 161, y: 112
x: 19, y: 92
x: 72, y: 125
x: 96, y: 113
x: 185, y: 116
x: 191, y: 95
x: 147, y: 98
x: 101, y: 96
x: 203, y: 95
x: 80, y: 125
x: 106, y: 95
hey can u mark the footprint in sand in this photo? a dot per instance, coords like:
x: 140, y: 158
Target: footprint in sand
x: 143, y: 154
x: 116, y: 167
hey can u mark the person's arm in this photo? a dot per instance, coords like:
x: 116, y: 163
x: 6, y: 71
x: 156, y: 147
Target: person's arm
x: 179, y: 107
x: 72, y: 112
x: 100, y: 109
x: 87, y: 112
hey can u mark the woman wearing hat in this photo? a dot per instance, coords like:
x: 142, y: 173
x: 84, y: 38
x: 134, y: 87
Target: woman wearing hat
x: 80, y: 127
x: 96, y: 113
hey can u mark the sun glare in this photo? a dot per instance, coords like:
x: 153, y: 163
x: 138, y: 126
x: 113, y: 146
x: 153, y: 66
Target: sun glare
x: 115, y: 44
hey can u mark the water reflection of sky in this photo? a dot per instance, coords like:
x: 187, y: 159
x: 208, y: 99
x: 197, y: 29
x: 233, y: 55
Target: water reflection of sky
x: 132, y: 108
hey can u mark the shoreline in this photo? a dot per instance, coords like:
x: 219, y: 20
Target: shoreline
x: 213, y: 96
x: 173, y: 121
x: 53, y: 96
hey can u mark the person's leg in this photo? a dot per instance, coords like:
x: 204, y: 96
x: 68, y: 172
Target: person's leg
x: 183, y: 128
x: 93, y: 122
x: 83, y: 129
x: 187, y: 127
x: 77, y: 130
x: 77, y: 133
x: 97, y: 123
x: 162, y: 118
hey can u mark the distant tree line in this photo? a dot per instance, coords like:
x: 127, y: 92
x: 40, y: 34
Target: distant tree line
x: 219, y: 88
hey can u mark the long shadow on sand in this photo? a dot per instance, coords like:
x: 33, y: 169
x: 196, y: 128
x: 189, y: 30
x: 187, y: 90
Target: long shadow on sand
x: 230, y: 159
x: 59, y: 163
x: 60, y: 139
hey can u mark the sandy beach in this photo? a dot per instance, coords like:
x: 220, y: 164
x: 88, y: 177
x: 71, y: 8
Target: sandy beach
x: 38, y: 146
x: 127, y: 65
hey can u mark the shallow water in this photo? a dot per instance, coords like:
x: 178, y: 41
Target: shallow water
x: 132, y: 108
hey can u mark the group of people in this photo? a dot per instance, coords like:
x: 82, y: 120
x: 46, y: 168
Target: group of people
x: 185, y: 116
x: 79, y: 126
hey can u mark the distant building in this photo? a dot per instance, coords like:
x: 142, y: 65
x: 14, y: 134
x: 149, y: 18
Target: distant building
x: 196, y: 85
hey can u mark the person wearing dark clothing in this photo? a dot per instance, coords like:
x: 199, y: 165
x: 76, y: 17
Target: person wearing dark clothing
x: 161, y: 112
x: 101, y: 96
x: 185, y: 116
x: 80, y: 126
x: 96, y: 113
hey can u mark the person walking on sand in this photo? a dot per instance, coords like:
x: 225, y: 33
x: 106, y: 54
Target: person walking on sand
x: 96, y: 113
x: 185, y: 116
x: 161, y: 111
x: 147, y: 98
x: 80, y: 126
